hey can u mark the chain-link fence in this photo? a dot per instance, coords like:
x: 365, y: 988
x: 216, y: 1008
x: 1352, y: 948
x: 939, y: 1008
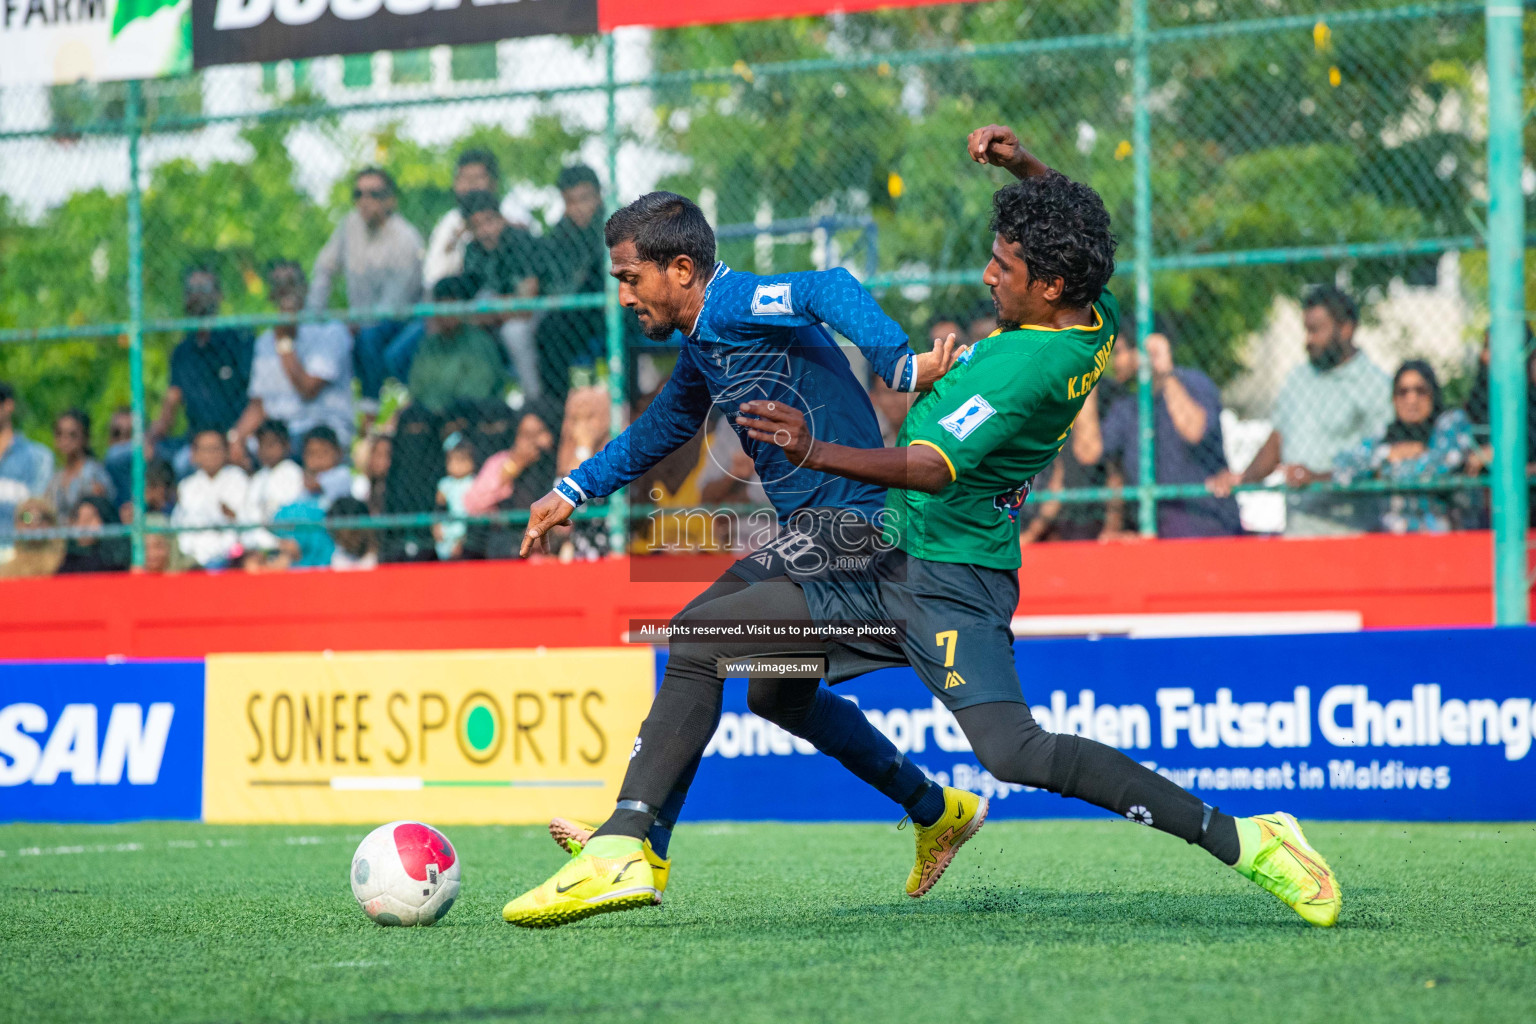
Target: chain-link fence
x: 375, y: 286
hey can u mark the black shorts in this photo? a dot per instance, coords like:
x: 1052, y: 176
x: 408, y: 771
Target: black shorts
x: 814, y: 543
x: 952, y: 625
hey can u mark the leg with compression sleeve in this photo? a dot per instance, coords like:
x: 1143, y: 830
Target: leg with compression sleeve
x: 687, y: 707
x: 836, y: 727
x: 1010, y: 744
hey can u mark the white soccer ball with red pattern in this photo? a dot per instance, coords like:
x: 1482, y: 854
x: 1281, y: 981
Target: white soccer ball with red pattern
x: 405, y: 873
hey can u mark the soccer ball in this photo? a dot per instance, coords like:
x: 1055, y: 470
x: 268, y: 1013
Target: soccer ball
x: 405, y: 873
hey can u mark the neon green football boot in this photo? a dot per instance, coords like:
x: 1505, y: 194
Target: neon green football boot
x: 572, y: 835
x: 1276, y: 856
x: 610, y: 874
x: 964, y: 814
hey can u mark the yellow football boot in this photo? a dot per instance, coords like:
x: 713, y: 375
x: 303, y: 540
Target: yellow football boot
x: 572, y: 836
x: 963, y: 816
x: 595, y: 882
x: 1277, y: 857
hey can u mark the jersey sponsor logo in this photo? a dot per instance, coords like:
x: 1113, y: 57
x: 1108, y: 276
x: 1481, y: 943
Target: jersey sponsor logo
x: 953, y: 679
x: 763, y: 559
x: 1013, y: 501
x: 972, y: 413
x: 772, y: 300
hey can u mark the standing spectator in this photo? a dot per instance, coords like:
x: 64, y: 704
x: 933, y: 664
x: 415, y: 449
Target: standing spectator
x: 451, y: 489
x: 1186, y: 420
x: 278, y: 482
x: 34, y: 557
x: 379, y: 253
x: 459, y: 360
x: 1327, y: 406
x: 355, y: 548
x: 502, y: 259
x: 300, y: 374
x: 210, y: 369
x: 79, y: 474
x: 326, y: 476
x: 1424, y: 442
x: 212, y: 496
x: 92, y: 553
x: 476, y: 171
x: 25, y: 466
x: 573, y: 263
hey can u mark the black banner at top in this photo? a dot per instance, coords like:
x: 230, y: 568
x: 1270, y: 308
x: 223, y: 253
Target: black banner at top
x: 247, y: 31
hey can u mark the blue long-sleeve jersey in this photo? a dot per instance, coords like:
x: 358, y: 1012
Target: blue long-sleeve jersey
x: 762, y: 338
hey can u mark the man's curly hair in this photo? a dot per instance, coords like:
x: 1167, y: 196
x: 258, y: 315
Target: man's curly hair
x: 1062, y: 230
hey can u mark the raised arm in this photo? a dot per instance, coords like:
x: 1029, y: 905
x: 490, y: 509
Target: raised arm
x: 996, y: 144
x: 836, y: 298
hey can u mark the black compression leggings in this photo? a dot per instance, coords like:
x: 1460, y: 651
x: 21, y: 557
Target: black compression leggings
x: 1010, y: 744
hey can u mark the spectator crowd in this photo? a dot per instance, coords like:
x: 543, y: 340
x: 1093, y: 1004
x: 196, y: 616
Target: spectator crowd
x: 279, y: 450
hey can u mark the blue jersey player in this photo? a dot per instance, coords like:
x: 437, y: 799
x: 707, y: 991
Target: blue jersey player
x: 747, y: 338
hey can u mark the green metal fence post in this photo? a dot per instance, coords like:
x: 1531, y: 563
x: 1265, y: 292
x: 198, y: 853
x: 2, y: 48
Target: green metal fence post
x: 132, y: 114
x: 1506, y: 302
x: 618, y: 503
x: 1141, y: 154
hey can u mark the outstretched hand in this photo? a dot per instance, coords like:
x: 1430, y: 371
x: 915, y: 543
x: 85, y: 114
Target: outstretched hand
x: 544, y: 515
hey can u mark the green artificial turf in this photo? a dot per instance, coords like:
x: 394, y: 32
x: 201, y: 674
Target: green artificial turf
x: 1036, y: 921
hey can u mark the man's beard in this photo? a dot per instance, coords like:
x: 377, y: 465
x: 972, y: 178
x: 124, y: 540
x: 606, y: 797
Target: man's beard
x: 658, y: 331
x: 1003, y: 323
x: 1331, y: 355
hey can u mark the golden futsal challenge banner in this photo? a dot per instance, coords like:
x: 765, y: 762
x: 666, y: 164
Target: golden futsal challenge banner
x: 451, y: 737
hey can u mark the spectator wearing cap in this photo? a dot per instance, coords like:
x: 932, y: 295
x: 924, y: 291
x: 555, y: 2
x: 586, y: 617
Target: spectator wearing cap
x: 1423, y: 443
x: 1186, y: 421
x: 210, y: 370
x: 300, y: 374
x: 459, y: 359
x: 572, y: 263
x: 79, y: 474
x: 476, y: 171
x: 379, y: 253
x: 25, y: 466
x: 211, y: 497
x: 1328, y: 405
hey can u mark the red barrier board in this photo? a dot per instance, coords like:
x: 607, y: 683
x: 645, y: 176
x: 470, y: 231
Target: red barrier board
x: 613, y: 14
x: 1391, y: 581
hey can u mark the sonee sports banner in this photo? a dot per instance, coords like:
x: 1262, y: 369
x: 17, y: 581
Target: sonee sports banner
x: 242, y: 31
x: 458, y: 737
